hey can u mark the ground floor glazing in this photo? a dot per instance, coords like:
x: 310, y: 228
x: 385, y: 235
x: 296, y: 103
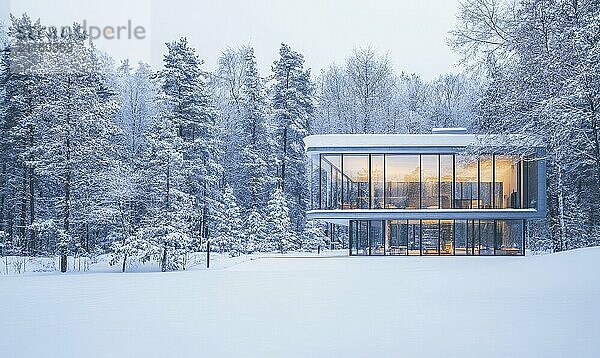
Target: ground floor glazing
x: 437, y: 237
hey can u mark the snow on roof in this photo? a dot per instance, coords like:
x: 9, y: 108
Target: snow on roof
x: 406, y: 140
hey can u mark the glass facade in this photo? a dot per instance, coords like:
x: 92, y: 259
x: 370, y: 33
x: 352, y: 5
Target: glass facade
x: 437, y: 237
x: 427, y: 182
x: 422, y: 181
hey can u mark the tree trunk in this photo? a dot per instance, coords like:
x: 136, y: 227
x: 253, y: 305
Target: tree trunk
x: 163, y: 264
x: 561, y: 211
x: 67, y: 189
x: 23, y: 210
x: 3, y: 185
x: 285, y: 139
x: 32, y: 237
x: 63, y: 263
x: 124, y: 261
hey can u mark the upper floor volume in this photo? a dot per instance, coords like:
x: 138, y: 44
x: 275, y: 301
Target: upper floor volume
x: 446, y: 174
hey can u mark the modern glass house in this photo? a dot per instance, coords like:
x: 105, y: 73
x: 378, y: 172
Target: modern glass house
x: 445, y: 193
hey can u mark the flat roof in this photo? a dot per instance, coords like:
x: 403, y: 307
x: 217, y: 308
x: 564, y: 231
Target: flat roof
x: 329, y: 141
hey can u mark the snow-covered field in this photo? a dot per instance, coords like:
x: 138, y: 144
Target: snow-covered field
x: 540, y: 306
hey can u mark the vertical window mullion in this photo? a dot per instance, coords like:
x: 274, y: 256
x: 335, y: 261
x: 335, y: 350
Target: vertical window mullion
x: 439, y: 181
x: 478, y: 183
x: 370, y: 204
x: 421, y: 186
x: 493, y: 181
x: 495, y: 235
x: 320, y: 181
x: 519, y: 185
x: 453, y: 237
x: 453, y: 186
x: 439, y: 236
x: 407, y: 235
x: 420, y: 237
x: 369, y: 235
x: 384, y: 181
x: 342, y: 177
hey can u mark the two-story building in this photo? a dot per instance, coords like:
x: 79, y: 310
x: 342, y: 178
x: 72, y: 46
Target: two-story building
x: 445, y: 193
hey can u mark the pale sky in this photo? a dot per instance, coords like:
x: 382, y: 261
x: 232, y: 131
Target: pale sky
x: 413, y: 33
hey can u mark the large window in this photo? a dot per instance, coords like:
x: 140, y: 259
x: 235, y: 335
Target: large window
x: 466, y: 194
x: 331, y: 182
x: 376, y: 240
x: 430, y: 236
x: 509, y: 237
x: 486, y: 182
x: 436, y: 237
x: 356, y: 181
x: 377, y: 181
x: 414, y: 237
x: 402, y: 181
x: 430, y: 182
x: 446, y: 237
x: 506, y: 191
x: 315, y: 168
x: 426, y: 181
x: 397, y: 238
x: 446, y: 180
x: 531, y: 183
x: 460, y: 237
x: 486, y: 237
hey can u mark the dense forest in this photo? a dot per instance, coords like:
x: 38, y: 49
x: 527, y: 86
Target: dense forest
x: 146, y: 164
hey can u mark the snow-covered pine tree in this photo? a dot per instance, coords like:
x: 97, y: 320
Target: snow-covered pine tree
x: 255, y: 140
x: 257, y: 238
x: 191, y: 110
x: 163, y: 175
x: 292, y: 101
x: 74, y: 114
x: 19, y: 131
x: 184, y: 149
x: 230, y: 236
x: 313, y: 236
x: 282, y: 237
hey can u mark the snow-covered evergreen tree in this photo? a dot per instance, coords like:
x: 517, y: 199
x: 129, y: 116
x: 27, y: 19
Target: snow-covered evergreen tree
x: 71, y: 132
x: 184, y: 150
x: 230, y: 236
x: 313, y: 236
x: 257, y: 238
x: 256, y: 136
x: 282, y: 237
x: 292, y: 101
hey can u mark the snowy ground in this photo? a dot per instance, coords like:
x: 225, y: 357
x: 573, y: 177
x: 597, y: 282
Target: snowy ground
x: 541, y: 306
